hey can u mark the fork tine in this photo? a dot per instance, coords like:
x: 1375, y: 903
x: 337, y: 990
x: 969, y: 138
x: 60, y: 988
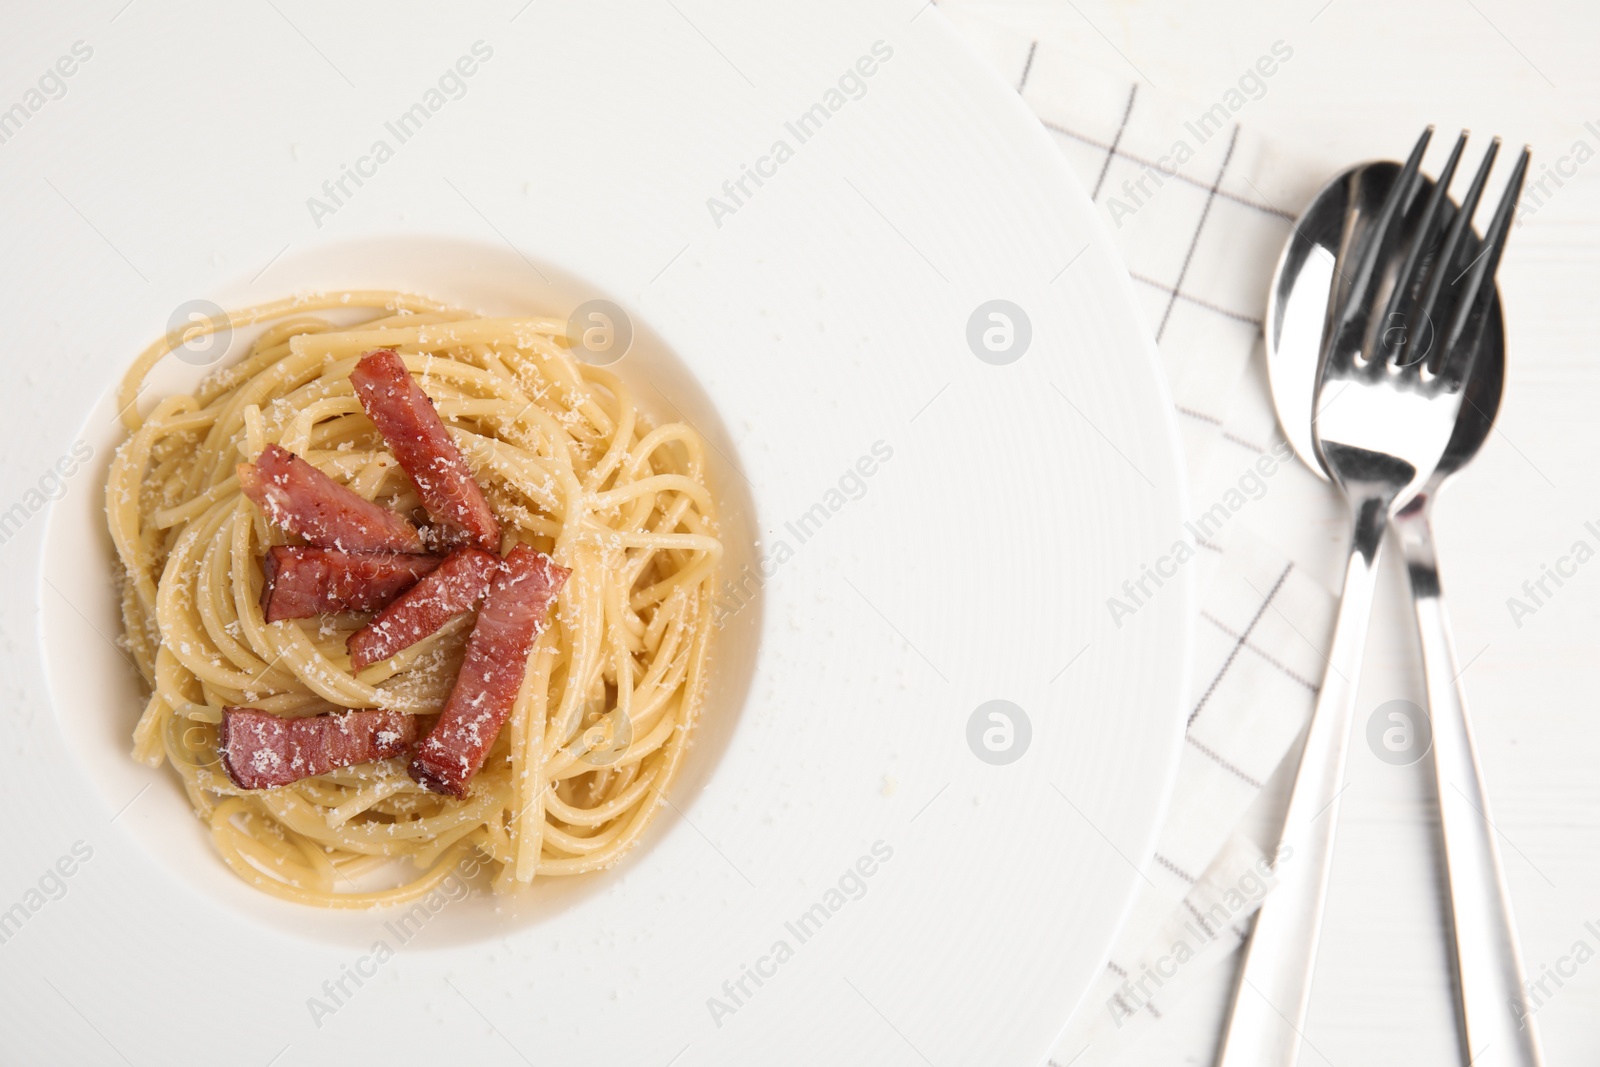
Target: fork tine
x: 1408, y: 283
x: 1479, y: 290
x: 1371, y: 249
x: 1445, y: 267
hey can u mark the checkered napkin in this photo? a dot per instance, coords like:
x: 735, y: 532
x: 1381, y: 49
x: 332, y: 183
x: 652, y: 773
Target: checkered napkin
x: 1200, y: 212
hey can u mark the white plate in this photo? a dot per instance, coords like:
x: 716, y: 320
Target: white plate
x: 825, y: 314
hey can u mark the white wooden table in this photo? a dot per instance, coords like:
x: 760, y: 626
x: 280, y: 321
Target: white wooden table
x: 1367, y: 76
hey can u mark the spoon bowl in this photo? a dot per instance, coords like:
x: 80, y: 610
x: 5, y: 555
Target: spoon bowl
x: 1297, y: 313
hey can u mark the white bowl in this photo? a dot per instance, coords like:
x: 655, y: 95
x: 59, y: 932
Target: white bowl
x: 825, y: 316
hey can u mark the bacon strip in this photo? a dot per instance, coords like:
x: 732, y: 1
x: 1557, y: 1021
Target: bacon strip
x: 297, y: 497
x: 261, y: 750
x: 302, y: 582
x: 455, y: 587
x: 406, y: 418
x: 510, y: 621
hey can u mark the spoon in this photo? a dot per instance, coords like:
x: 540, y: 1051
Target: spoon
x: 1495, y: 1016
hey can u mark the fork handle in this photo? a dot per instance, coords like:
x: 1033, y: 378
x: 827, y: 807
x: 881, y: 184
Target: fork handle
x: 1495, y: 1014
x: 1274, y: 983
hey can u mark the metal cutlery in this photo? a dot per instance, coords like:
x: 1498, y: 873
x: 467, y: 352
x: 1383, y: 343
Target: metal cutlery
x: 1396, y: 351
x: 1495, y: 1016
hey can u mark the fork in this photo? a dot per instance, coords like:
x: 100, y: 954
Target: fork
x: 1492, y: 1000
x: 1390, y: 388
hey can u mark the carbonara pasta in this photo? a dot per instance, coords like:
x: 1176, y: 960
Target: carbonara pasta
x: 568, y: 466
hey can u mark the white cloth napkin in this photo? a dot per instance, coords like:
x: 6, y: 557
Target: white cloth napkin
x: 1200, y: 211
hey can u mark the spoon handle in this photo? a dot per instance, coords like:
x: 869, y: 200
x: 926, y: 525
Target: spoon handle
x: 1495, y: 1014
x: 1274, y: 984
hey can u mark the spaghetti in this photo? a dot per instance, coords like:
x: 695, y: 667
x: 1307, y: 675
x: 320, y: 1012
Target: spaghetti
x: 569, y: 467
